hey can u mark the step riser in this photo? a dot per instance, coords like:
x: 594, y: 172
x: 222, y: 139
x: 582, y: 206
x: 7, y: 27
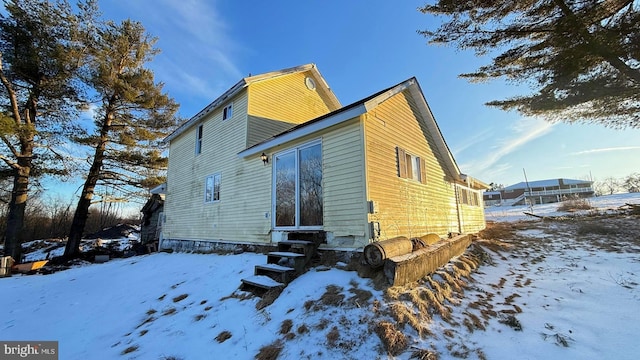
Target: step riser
x: 284, y: 277
x: 292, y: 258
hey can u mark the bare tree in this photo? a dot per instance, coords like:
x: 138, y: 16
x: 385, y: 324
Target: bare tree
x: 631, y: 183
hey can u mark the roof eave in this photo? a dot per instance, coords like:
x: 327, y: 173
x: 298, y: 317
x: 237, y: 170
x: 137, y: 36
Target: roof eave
x: 235, y: 89
x: 434, y: 129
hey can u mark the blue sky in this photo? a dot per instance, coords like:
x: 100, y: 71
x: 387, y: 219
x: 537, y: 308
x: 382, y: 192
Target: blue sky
x: 360, y: 48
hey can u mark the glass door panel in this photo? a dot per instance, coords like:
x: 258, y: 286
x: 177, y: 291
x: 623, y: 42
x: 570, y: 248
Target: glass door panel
x: 285, y: 189
x: 310, y: 185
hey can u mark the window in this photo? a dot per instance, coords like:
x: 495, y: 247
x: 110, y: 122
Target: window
x: 227, y: 112
x: 468, y: 196
x: 212, y: 188
x: 199, y: 140
x: 411, y: 166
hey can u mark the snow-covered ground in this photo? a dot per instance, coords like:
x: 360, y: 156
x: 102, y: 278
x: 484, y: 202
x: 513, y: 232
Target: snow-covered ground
x: 564, y: 290
x: 606, y: 203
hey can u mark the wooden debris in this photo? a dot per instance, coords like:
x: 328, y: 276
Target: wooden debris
x: 413, y: 266
x: 376, y: 253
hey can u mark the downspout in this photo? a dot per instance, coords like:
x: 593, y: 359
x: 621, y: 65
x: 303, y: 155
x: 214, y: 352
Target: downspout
x: 455, y: 186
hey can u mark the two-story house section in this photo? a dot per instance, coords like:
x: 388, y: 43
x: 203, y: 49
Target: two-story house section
x: 277, y: 157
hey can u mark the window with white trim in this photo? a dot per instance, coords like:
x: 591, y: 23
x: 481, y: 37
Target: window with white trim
x: 227, y: 112
x: 468, y: 196
x: 212, y: 188
x: 411, y: 166
x: 199, y: 140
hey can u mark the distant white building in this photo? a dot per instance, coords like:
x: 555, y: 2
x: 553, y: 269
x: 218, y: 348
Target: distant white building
x: 539, y: 192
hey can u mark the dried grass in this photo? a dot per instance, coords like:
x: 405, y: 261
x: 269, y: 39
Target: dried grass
x: 223, y: 336
x: 268, y: 298
x: 393, y: 340
x: 130, y: 349
x: 180, y: 298
x: 575, y: 204
x: 302, y: 329
x: 595, y: 228
x: 333, y: 336
x: 424, y: 354
x: 498, y: 231
x: 403, y: 315
x: 146, y: 321
x: 322, y: 324
x: 473, y: 322
x: 286, y: 326
x: 333, y: 296
x: 360, y: 297
x: 512, y: 322
x: 169, y: 311
x: 270, y: 352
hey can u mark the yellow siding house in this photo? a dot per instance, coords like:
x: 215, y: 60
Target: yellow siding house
x: 277, y: 157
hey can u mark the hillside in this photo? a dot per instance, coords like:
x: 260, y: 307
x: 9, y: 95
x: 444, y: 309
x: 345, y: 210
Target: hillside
x: 531, y: 289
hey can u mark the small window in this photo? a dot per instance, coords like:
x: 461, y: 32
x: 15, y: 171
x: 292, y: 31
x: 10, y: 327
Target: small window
x: 468, y: 196
x: 212, y: 188
x: 199, y: 140
x: 411, y: 166
x: 227, y: 112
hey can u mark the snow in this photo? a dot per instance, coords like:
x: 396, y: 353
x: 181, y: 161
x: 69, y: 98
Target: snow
x: 571, y: 289
x: 601, y: 203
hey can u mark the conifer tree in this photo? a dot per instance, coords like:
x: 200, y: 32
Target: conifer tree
x: 581, y: 58
x: 41, y: 50
x: 132, y: 116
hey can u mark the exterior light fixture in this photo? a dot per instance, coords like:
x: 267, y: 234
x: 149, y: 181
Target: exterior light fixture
x: 265, y: 158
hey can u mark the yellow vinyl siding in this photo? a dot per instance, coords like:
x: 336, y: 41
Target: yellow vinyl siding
x: 238, y: 216
x: 471, y: 213
x: 344, y: 190
x: 405, y: 206
x: 286, y: 98
x: 259, y: 129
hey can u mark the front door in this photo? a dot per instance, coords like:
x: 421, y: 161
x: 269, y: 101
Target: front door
x: 298, y: 187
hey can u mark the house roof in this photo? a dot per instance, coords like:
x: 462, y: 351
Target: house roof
x: 545, y: 183
x: 244, y: 83
x: 361, y: 107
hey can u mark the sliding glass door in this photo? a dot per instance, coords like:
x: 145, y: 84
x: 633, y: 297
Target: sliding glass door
x: 298, y: 187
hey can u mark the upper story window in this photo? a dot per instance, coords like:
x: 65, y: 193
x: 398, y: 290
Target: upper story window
x: 212, y: 188
x: 199, y: 140
x: 411, y: 166
x: 227, y: 112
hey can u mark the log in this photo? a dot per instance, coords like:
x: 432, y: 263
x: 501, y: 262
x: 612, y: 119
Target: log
x: 376, y: 253
x: 430, y: 239
x: 400, y: 270
x: 534, y: 215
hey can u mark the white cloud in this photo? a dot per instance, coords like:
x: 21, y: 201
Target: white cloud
x: 197, y: 56
x: 201, y: 28
x: 473, y: 140
x: 602, y: 150
x: 522, y: 132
